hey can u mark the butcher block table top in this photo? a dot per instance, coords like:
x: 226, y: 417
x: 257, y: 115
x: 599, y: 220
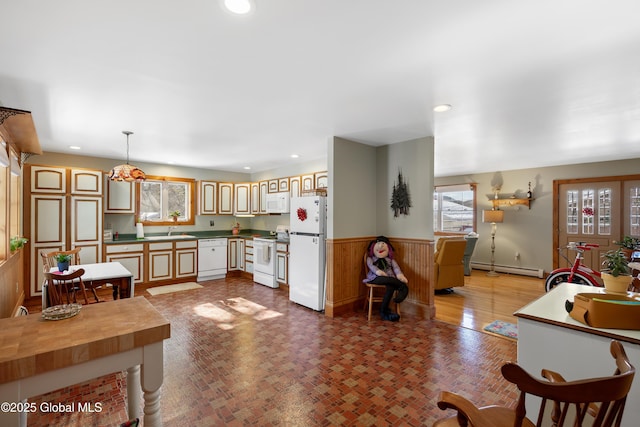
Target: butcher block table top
x: 30, y: 345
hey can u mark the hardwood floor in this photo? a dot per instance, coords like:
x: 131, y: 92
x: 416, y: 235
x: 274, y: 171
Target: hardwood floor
x: 479, y: 302
x: 484, y: 299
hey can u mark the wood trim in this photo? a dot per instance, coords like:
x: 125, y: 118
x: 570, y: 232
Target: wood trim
x: 18, y: 129
x: 345, y: 272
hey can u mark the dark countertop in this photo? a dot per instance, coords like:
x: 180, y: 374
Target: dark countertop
x: 219, y: 234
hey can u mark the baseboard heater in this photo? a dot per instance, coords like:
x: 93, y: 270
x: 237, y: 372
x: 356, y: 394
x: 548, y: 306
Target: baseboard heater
x: 534, y: 272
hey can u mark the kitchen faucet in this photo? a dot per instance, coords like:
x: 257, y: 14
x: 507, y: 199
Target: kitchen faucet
x: 171, y: 228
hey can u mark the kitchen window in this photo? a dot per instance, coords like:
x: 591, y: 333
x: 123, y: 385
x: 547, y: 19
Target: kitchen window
x: 454, y: 209
x: 160, y: 197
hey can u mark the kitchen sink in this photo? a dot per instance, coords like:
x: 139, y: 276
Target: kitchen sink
x: 174, y: 237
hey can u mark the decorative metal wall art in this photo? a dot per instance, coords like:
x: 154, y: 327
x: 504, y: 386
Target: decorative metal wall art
x: 400, y: 197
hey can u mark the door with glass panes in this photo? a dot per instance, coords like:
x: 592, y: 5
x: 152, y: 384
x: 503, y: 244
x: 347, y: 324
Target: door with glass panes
x: 600, y: 212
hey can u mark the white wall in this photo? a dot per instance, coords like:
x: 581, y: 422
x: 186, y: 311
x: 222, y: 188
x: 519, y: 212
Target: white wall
x: 528, y: 231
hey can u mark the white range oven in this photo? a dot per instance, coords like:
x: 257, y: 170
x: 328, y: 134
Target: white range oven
x: 264, y: 262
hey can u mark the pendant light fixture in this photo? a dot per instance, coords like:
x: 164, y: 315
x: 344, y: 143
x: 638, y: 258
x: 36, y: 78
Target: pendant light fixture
x: 127, y: 172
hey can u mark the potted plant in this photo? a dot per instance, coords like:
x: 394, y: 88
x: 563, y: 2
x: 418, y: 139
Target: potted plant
x: 628, y: 244
x: 63, y: 261
x: 616, y: 273
x: 16, y: 243
x: 175, y: 215
x: 235, y: 228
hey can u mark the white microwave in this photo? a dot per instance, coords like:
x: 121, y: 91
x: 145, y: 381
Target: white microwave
x: 278, y: 202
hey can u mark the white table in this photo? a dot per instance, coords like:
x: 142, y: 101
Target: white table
x: 101, y: 274
x: 38, y: 356
x: 549, y: 338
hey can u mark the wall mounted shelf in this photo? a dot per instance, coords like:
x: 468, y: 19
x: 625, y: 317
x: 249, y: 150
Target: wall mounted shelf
x: 511, y: 202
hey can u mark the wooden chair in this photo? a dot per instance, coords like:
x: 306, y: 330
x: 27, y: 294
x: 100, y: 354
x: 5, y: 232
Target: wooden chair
x: 570, y: 401
x: 49, y: 262
x: 375, y: 293
x: 57, y: 284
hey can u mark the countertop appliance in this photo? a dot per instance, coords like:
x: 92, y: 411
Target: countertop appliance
x: 264, y: 262
x: 282, y: 232
x: 278, y: 202
x: 212, y: 259
x: 307, y: 229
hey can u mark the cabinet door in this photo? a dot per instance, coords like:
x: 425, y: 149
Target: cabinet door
x: 283, y: 185
x: 294, y: 186
x: 233, y: 263
x: 86, y: 227
x: 47, y: 179
x: 307, y: 182
x: 207, y: 203
x: 282, y: 267
x: 241, y: 198
x: 264, y: 189
x: 321, y: 180
x: 48, y: 233
x: 255, y: 198
x: 133, y: 261
x: 160, y: 265
x: 86, y: 182
x: 119, y: 197
x: 273, y: 185
x: 225, y: 205
x: 241, y: 254
x: 186, y: 262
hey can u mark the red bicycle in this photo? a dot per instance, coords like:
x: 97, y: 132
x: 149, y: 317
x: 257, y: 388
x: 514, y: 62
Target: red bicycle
x: 578, y: 272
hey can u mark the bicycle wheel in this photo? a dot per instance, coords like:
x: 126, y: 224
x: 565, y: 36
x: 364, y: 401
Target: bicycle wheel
x: 555, y: 278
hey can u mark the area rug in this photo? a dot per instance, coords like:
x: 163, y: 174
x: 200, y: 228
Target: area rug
x: 167, y: 289
x: 505, y: 329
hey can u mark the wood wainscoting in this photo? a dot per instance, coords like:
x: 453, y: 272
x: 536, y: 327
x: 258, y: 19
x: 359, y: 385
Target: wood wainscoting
x: 345, y: 272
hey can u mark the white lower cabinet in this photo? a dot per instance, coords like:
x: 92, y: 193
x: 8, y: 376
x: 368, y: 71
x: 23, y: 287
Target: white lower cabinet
x: 282, y: 263
x: 131, y: 256
x: 235, y: 254
x: 248, y: 256
x: 186, y: 254
x: 160, y: 262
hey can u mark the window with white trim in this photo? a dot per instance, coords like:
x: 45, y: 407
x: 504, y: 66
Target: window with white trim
x: 454, y: 209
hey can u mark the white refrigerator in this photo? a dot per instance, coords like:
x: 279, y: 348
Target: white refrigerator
x: 307, y: 229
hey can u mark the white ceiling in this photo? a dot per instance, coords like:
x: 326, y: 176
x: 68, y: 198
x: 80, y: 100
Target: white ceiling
x: 532, y: 84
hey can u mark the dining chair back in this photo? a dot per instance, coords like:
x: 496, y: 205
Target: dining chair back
x: 597, y: 402
x: 59, y: 284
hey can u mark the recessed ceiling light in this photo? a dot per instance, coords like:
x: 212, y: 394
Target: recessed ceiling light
x: 240, y: 7
x: 74, y: 147
x: 294, y: 156
x: 247, y: 167
x: 442, y: 108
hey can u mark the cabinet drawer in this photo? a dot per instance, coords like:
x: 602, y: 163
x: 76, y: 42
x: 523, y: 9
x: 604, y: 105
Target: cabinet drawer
x: 163, y: 246
x: 248, y: 258
x: 282, y: 247
x: 191, y: 244
x: 115, y: 249
x: 249, y: 243
x: 248, y: 250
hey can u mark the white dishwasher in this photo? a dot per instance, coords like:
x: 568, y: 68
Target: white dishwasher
x: 212, y: 259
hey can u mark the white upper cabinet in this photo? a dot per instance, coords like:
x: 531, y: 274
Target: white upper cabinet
x: 207, y: 198
x: 242, y: 199
x: 119, y: 196
x: 225, y: 194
